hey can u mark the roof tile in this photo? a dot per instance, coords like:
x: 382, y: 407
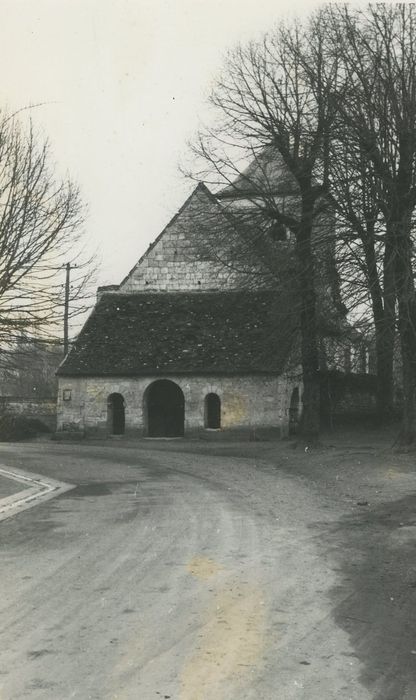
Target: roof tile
x: 190, y: 333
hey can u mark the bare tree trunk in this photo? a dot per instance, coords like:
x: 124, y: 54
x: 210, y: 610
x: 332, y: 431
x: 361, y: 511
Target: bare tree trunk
x: 384, y: 313
x: 384, y: 367
x: 407, y: 329
x: 408, y: 431
x: 310, y: 424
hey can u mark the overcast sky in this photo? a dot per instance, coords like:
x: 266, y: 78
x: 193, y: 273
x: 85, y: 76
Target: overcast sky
x: 123, y: 84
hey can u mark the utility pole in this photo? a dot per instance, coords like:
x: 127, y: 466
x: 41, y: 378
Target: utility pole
x: 66, y: 308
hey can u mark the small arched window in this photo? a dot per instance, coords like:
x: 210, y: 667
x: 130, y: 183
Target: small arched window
x: 116, y: 414
x: 212, y: 411
x: 294, y: 412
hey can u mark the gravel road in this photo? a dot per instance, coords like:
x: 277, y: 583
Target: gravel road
x: 190, y: 572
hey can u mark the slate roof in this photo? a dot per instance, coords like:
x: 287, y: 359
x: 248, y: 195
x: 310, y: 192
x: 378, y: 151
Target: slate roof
x: 184, y: 333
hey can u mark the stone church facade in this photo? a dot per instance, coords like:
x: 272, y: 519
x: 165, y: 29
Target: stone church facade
x: 183, y: 363
x: 186, y: 345
x: 102, y: 407
x: 180, y: 347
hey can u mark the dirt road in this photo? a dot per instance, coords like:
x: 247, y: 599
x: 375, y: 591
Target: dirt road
x: 176, y: 570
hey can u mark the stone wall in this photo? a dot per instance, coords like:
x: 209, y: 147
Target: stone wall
x: 347, y: 397
x: 249, y: 403
x: 40, y: 409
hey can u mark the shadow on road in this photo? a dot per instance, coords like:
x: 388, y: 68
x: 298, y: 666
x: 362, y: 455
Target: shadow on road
x: 375, y: 602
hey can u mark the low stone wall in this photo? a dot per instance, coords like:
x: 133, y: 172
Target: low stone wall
x: 348, y: 397
x: 40, y: 409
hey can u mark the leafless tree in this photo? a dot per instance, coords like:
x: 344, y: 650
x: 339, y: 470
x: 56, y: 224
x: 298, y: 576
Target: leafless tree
x: 377, y: 54
x: 364, y: 256
x: 28, y: 369
x: 269, y: 100
x: 41, y: 222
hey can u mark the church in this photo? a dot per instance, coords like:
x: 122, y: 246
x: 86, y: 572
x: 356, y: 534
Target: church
x: 185, y: 346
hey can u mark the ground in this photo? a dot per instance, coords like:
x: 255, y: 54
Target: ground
x: 211, y: 571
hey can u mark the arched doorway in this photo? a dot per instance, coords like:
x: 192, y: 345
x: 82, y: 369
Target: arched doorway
x: 165, y: 405
x: 115, y: 414
x: 212, y: 411
x: 294, y: 412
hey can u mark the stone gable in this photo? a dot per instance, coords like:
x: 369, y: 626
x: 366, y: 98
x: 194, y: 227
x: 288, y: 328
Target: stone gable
x: 179, y: 259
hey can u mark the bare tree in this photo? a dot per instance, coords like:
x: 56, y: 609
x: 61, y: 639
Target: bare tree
x: 40, y: 230
x: 378, y: 57
x: 28, y: 369
x: 364, y: 255
x: 268, y: 98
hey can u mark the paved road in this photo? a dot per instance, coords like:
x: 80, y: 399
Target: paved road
x: 186, y: 574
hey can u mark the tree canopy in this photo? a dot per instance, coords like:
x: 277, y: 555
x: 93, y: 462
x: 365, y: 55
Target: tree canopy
x: 41, y: 230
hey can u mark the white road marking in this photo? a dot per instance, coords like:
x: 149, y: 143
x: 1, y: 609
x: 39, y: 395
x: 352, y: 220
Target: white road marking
x: 40, y: 489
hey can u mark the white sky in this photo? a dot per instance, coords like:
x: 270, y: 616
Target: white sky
x: 124, y: 84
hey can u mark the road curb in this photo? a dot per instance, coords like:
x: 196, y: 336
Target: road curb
x: 38, y: 489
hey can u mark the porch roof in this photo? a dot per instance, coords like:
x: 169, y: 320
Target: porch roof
x: 184, y: 333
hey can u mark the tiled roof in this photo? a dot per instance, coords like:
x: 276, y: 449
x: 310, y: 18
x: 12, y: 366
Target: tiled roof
x: 184, y: 333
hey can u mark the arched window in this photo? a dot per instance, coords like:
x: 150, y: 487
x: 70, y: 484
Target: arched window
x: 212, y: 411
x: 294, y: 412
x: 115, y: 414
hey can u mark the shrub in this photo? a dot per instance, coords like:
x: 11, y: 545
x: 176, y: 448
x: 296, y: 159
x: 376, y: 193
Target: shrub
x: 14, y: 427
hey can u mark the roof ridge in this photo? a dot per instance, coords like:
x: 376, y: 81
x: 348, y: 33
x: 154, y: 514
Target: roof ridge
x: 190, y: 292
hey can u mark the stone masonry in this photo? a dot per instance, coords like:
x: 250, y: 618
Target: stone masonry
x: 254, y: 403
x: 177, y: 260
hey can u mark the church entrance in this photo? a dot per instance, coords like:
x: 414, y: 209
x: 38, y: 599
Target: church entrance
x: 165, y: 405
x: 115, y: 414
